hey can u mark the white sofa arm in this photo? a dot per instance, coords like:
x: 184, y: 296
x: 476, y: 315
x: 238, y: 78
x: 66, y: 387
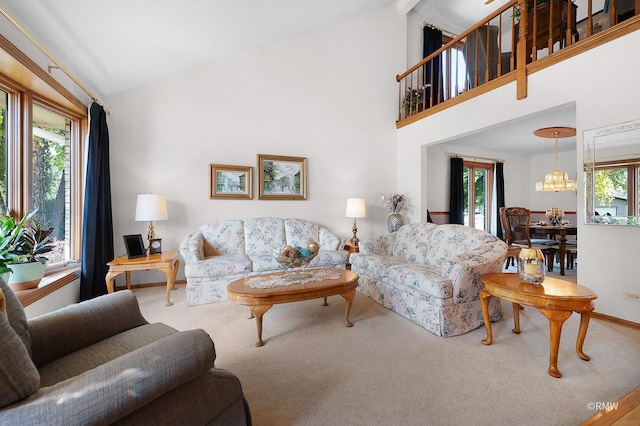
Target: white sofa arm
x: 382, y: 245
x: 192, y: 247
x: 464, y: 271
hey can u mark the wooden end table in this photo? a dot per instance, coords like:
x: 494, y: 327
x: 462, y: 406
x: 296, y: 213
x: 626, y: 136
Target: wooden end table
x: 350, y: 248
x: 555, y: 299
x: 166, y: 262
x: 260, y: 300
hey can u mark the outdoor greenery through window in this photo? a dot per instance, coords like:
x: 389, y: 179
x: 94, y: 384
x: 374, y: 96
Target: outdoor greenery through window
x: 51, y: 178
x: 617, y: 191
x: 478, y: 184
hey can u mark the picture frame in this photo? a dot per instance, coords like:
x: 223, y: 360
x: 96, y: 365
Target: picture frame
x: 230, y: 182
x: 134, y: 246
x: 282, y: 177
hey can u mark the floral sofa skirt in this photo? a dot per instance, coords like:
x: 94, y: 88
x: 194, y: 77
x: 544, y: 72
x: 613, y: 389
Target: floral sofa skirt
x: 226, y: 250
x: 430, y: 274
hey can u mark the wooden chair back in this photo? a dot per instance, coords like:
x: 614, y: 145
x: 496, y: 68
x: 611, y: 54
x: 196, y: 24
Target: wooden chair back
x: 518, y: 226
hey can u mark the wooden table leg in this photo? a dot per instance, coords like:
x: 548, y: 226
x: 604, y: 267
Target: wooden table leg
x: 258, y: 311
x: 556, y: 319
x: 324, y: 303
x: 516, y: 318
x: 111, y: 276
x: 484, y: 301
x: 348, y: 298
x: 562, y: 252
x: 582, y: 332
x: 171, y: 279
x: 127, y: 275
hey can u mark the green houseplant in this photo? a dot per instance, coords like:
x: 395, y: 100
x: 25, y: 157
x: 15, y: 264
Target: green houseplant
x: 22, y: 248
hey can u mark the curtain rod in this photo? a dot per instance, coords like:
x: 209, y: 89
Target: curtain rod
x: 427, y: 24
x: 55, y: 61
x: 495, y: 160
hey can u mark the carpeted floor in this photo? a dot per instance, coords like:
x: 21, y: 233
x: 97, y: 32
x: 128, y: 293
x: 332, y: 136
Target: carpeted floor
x: 386, y: 370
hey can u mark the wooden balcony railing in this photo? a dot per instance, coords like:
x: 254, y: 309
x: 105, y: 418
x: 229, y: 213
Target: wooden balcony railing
x: 504, y: 47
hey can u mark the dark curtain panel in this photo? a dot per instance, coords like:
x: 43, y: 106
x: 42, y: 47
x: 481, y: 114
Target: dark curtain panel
x: 433, y: 70
x: 499, y: 196
x: 456, y: 200
x: 97, y: 225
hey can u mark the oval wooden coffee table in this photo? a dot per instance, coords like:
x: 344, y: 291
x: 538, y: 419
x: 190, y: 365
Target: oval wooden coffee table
x: 260, y: 300
x: 555, y: 299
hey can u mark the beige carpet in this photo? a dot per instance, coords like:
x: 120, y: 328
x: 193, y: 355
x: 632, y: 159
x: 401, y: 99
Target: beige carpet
x: 386, y: 370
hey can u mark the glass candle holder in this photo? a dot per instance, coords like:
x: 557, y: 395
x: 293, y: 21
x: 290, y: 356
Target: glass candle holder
x: 531, y: 266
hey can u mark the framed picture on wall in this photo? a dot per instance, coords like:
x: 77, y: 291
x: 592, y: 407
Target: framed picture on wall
x: 230, y: 182
x: 282, y: 178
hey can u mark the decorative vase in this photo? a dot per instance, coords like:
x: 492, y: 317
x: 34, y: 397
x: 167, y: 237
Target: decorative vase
x: 394, y: 222
x: 531, y: 266
x: 25, y: 276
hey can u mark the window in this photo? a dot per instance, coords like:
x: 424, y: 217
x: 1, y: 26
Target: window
x: 40, y: 165
x: 478, y: 193
x: 617, y: 190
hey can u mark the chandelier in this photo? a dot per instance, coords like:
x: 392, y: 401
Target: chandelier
x: 556, y: 181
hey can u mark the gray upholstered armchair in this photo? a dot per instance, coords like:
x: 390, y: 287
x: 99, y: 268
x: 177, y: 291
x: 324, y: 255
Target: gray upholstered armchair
x: 101, y: 362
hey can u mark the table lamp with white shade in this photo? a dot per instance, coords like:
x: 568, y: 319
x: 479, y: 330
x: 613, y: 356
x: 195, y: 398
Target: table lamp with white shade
x: 355, y: 209
x: 152, y: 207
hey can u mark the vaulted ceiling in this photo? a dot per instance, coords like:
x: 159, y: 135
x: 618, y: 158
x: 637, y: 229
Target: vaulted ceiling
x: 112, y: 46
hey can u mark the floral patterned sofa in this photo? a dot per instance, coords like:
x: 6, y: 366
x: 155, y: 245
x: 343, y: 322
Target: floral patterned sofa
x: 226, y: 250
x: 430, y: 274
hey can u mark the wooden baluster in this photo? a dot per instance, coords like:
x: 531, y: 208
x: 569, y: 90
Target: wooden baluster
x: 534, y: 37
x: 487, y: 74
x: 523, y: 53
x: 590, y: 18
x: 569, y: 23
x: 550, y: 31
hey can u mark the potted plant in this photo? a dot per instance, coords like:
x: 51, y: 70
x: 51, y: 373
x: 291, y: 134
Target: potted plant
x: 24, y: 243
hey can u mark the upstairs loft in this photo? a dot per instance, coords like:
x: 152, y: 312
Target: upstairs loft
x: 502, y: 48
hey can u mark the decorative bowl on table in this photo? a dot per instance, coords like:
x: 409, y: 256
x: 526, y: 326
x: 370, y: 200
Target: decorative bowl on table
x: 296, y: 257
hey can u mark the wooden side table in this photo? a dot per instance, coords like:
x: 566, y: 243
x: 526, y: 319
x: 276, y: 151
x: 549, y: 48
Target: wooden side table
x: 555, y: 299
x: 351, y: 249
x: 166, y: 262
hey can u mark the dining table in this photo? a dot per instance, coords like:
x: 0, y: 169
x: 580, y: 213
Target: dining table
x: 553, y: 231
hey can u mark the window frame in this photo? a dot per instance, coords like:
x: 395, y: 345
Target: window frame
x: 633, y: 176
x: 19, y: 140
x: 488, y: 196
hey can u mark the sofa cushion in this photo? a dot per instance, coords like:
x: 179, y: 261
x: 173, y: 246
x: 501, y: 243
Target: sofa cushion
x: 223, y: 237
x: 325, y: 258
x: 412, y: 242
x: 423, y: 279
x: 19, y: 377
x: 265, y: 263
x: 218, y: 266
x: 328, y: 240
x: 374, y: 264
x: 300, y: 232
x: 451, y: 240
x: 262, y: 235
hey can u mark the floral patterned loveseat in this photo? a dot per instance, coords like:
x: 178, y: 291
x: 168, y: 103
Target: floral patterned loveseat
x: 226, y: 250
x: 430, y: 274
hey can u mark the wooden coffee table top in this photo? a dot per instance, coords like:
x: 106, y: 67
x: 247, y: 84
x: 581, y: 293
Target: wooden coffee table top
x: 552, y: 291
x: 240, y: 292
x: 260, y: 300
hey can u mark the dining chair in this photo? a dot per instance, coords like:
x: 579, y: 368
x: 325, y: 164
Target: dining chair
x: 518, y: 220
x: 512, y: 251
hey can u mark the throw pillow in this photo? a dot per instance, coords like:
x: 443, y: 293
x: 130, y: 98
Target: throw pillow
x: 16, y: 315
x: 19, y: 377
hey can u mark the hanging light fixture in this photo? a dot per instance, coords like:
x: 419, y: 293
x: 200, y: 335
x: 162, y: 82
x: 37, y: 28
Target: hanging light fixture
x: 556, y: 181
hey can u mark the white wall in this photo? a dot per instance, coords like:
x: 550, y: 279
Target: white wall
x: 328, y: 95
x: 603, y: 84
